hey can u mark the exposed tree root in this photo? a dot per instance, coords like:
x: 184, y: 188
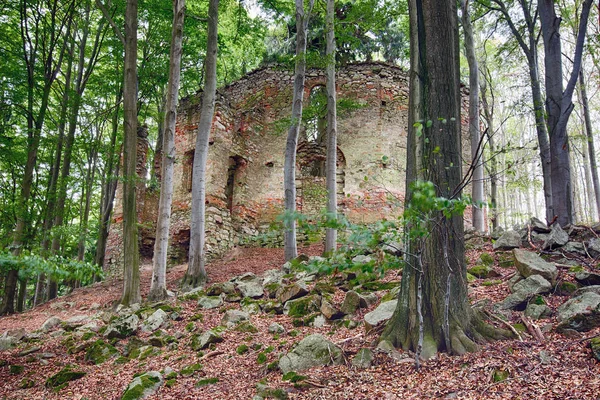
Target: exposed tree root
x: 191, y: 282
x: 157, y: 294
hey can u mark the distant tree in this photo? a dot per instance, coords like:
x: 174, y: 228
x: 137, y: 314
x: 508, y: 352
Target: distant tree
x: 433, y: 312
x: 196, y: 272
x: 289, y: 170
x: 158, y: 285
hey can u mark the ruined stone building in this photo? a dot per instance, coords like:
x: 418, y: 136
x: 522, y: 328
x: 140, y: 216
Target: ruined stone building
x: 246, y: 155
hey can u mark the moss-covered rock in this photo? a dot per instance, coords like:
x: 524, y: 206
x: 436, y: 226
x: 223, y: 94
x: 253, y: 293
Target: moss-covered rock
x: 143, y: 386
x: 246, y: 327
x: 63, y: 377
x: 16, y: 369
x: 303, y: 306
x: 206, y: 381
x: 481, y: 271
x: 100, y: 351
x: 190, y: 369
x: 595, y: 346
x: 486, y: 259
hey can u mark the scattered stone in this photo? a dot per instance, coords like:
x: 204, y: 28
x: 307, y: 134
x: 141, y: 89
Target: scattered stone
x: 538, y: 226
x: 593, y: 247
x: 314, y: 350
x: 361, y: 260
x: 529, y: 263
x: 523, y: 291
x: 51, y: 323
x: 75, y: 322
x: 330, y: 311
x: 208, y: 302
x: 155, y: 321
x: 588, y: 278
x: 482, y: 271
x: 574, y: 247
x: 18, y: 333
x: 251, y: 308
x: 537, y: 311
x: 363, y: 359
x: 391, y: 295
x: 272, y: 307
x: 352, y: 302
x: 28, y: 351
x: 581, y: 313
x: 100, y: 351
x: 156, y: 341
x: 556, y: 238
x: 508, y: 241
x: 7, y: 342
x: 193, y: 294
x: 291, y: 292
x: 595, y: 346
x: 513, y: 281
x: 303, y: 306
x: 62, y: 305
x: 234, y: 317
x: 62, y: 377
x: 266, y: 392
x: 200, y: 342
x: 392, y: 248
x: 276, y: 328
x: 272, y: 276
x: 319, y: 321
x: 226, y: 288
x: 122, y: 327
x: 250, y: 285
x: 379, y: 315
x: 143, y: 386
x: 588, y: 289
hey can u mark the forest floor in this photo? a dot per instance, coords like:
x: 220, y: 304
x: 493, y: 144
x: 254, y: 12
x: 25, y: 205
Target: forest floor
x: 558, y: 367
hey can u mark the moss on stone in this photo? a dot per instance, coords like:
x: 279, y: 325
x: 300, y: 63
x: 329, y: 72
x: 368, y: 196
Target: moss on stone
x: 241, y: 349
x: 493, y: 282
x: 87, y: 336
x: 16, y: 369
x: 486, y: 259
x: 246, y: 327
x: 170, y: 382
x: 207, y: 381
x: 136, y: 392
x: 480, y: 271
x: 26, y: 383
x: 100, y: 351
x: 262, y: 358
x: 62, y: 377
x: 190, y: 369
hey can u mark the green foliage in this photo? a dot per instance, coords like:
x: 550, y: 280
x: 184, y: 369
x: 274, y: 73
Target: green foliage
x: 262, y: 358
x: 241, y: 349
x: 207, y: 381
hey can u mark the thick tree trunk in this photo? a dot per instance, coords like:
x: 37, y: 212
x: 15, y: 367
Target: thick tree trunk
x: 196, y: 273
x: 559, y: 104
x: 289, y: 168
x: 158, y: 285
x: 590, y: 142
x: 131, y: 271
x: 474, y: 132
x: 433, y: 313
x: 331, y: 167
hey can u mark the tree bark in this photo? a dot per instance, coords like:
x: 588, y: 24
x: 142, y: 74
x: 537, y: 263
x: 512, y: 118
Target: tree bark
x: 196, y: 273
x: 158, y: 285
x: 559, y: 104
x: 331, y: 162
x: 488, y: 113
x: 433, y: 313
x: 474, y: 133
x: 131, y: 271
x: 289, y: 169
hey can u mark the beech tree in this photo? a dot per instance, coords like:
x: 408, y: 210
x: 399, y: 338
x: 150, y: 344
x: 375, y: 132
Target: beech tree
x: 158, y: 285
x: 331, y: 162
x: 289, y: 168
x: 559, y: 103
x: 196, y: 272
x: 433, y: 313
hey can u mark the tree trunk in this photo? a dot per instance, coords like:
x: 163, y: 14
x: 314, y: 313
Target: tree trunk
x: 590, y: 141
x: 433, y: 313
x: 559, y: 104
x: 474, y: 133
x: 196, y: 272
x: 131, y: 271
x: 488, y: 113
x: 331, y: 167
x: 289, y: 169
x: 158, y: 285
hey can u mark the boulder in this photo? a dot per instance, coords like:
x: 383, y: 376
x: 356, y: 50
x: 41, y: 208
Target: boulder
x: 50, y: 323
x: 538, y: 226
x: 382, y: 313
x: 593, y: 247
x: 143, y: 386
x: 202, y: 341
x: 508, y: 240
x: 208, y: 302
x: 272, y: 276
x: 580, y: 313
x: 361, y: 259
x: 392, y: 248
x: 100, y: 351
x: 291, y: 292
x: 7, y: 342
x: 234, y: 317
x: 556, y: 238
x: 155, y: 321
x: 249, y: 285
x: 192, y: 294
x: 60, y: 379
x: 329, y: 311
x: 588, y: 289
x: 227, y: 288
x: 525, y: 290
x: 482, y: 271
x: 352, y: 302
x: 312, y: 351
x: 122, y: 327
x: 588, y: 278
x: 575, y: 247
x: 363, y: 359
x: 276, y: 328
x: 537, y: 311
x: 529, y: 263
x: 303, y: 306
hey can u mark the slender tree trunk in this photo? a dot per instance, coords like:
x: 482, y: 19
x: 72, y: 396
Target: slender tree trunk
x: 590, y: 141
x: 474, y: 132
x: 488, y: 112
x: 22, y: 295
x: 131, y: 270
x: 196, y: 273
x: 331, y: 167
x: 433, y: 313
x: 559, y: 104
x: 89, y: 182
x: 158, y: 285
x: 289, y: 169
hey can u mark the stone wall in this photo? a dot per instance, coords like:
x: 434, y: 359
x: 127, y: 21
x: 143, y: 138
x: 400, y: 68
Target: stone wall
x: 247, y: 146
